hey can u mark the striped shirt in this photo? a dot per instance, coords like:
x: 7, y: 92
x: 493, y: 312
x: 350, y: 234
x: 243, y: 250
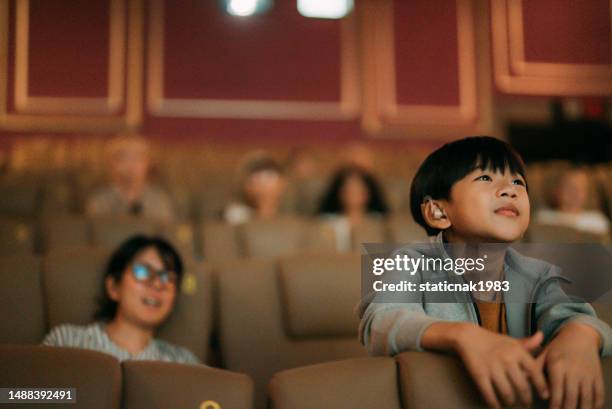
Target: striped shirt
x: 93, y: 336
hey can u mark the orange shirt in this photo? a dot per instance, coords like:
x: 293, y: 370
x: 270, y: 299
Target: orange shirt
x: 493, y: 316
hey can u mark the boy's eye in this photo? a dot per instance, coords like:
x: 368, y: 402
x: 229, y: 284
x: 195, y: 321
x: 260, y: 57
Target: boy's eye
x: 485, y: 178
x: 519, y: 182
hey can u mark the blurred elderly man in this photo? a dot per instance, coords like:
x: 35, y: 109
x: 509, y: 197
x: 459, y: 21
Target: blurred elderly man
x: 129, y: 192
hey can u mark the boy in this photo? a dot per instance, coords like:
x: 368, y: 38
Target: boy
x: 467, y: 193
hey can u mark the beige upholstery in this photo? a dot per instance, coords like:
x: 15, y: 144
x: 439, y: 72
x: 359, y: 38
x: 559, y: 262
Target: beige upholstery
x: 65, y: 232
x: 20, y: 195
x: 541, y: 233
x: 21, y: 299
x: 370, y: 231
x: 112, y: 231
x: 403, y: 229
x: 16, y: 236
x: 319, y: 293
x: 220, y: 241
x: 433, y: 381
x: 96, y: 376
x: 271, y: 238
x: 253, y: 335
x: 162, y: 385
x: 74, y: 277
x: 364, y: 383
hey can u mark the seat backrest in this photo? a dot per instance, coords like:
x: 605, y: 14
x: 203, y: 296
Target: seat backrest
x: 319, y: 293
x: 17, y: 236
x: 404, y: 230
x: 362, y: 383
x: 219, y: 242
x: 372, y: 230
x: 72, y: 278
x: 161, y: 385
x: 190, y: 323
x: 272, y: 238
x: 112, y: 231
x: 543, y: 233
x: 96, y: 377
x: 21, y: 297
x: 65, y: 232
x: 253, y: 317
x: 20, y: 195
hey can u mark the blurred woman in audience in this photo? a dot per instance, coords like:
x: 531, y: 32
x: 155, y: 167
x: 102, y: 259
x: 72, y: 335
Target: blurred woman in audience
x: 568, y: 200
x: 262, y: 188
x: 129, y: 191
x: 139, y: 292
x: 353, y: 196
x: 304, y: 182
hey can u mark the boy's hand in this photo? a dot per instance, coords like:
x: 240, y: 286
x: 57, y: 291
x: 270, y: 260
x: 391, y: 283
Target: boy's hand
x: 503, y: 364
x: 574, y: 368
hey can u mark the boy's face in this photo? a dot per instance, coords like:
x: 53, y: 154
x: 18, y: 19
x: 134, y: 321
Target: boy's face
x: 488, y: 207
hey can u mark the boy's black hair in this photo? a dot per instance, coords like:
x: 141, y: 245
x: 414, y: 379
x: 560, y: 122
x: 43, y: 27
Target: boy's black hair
x: 450, y: 163
x: 331, y: 202
x: 121, y: 259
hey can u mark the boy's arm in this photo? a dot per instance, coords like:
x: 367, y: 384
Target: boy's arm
x: 553, y: 312
x: 390, y: 328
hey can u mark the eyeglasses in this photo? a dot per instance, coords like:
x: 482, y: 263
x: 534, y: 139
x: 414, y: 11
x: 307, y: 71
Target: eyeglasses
x: 146, y: 273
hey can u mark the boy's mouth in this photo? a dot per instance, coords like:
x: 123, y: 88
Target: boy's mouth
x: 508, y: 210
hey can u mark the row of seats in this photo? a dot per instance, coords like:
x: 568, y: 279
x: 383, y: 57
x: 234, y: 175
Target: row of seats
x: 217, y: 241
x: 413, y: 380
x: 266, y: 315
x: 101, y: 382
x: 214, y: 240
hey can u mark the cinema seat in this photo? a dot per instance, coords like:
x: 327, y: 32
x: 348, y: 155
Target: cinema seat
x: 112, y: 231
x: 543, y: 233
x: 21, y: 298
x: 370, y: 231
x: 453, y: 387
x: 74, y: 277
x: 270, y: 238
x: 362, y: 383
x: 220, y: 242
x: 299, y: 311
x: 64, y: 232
x: 404, y: 230
x: 95, y: 376
x: 162, y: 385
x: 20, y: 195
x: 16, y: 236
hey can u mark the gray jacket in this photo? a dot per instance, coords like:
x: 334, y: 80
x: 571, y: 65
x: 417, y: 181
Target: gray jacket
x: 388, y: 328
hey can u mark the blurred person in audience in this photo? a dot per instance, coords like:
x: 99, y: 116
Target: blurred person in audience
x: 304, y: 183
x: 129, y: 191
x: 139, y: 291
x: 569, y: 198
x: 262, y: 188
x: 353, y: 196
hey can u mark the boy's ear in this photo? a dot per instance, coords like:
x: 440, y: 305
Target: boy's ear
x: 434, y: 215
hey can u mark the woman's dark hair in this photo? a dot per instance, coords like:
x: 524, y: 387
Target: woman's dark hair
x: 121, y: 259
x: 447, y: 165
x: 331, y: 202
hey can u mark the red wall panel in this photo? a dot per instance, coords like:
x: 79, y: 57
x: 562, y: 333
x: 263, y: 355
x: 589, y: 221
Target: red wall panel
x: 280, y: 55
x: 577, y: 32
x: 426, y: 52
x: 68, y: 48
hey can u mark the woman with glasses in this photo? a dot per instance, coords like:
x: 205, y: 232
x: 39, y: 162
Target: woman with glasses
x: 139, y: 292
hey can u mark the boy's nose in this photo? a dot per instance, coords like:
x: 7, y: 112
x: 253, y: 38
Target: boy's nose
x: 507, y: 191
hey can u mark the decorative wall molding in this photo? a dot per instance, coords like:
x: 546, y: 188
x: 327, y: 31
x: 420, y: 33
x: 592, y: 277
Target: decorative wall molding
x: 159, y: 105
x: 120, y: 110
x: 514, y: 74
x: 382, y: 114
